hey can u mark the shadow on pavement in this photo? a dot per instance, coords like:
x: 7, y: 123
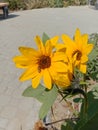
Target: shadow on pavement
x: 9, y: 16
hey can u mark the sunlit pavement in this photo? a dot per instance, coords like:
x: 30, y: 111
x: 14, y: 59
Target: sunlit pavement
x: 20, y: 29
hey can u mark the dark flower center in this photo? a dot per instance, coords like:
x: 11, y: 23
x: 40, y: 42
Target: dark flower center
x: 44, y: 62
x: 78, y: 54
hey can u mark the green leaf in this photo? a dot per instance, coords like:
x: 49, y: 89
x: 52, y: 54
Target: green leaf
x: 89, y: 121
x: 77, y: 100
x: 93, y: 38
x: 63, y: 126
x: 49, y: 96
x: 93, y: 54
x: 45, y: 37
x: 69, y: 125
x: 83, y: 83
x: 37, y: 93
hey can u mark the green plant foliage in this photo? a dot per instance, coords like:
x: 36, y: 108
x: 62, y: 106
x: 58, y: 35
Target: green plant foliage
x: 37, y: 93
x: 77, y: 100
x: 51, y: 3
x: 89, y: 121
x: 83, y: 2
x: 71, y: 2
x: 58, y: 3
x: 49, y: 96
x: 76, y: 2
x: 33, y: 4
x: 16, y: 4
x: 45, y: 96
x: 45, y: 37
x: 92, y: 65
x: 93, y: 69
x: 69, y: 125
x: 93, y: 38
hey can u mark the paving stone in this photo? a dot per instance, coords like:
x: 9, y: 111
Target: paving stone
x: 3, y: 122
x: 9, y: 112
x: 2, y: 129
x: 14, y: 124
x: 14, y: 102
x: 4, y: 100
x: 1, y: 107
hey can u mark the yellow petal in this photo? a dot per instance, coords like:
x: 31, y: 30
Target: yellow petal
x: 36, y: 80
x: 83, y: 68
x: 76, y: 63
x: 22, y: 62
x: 88, y: 49
x: 61, y: 47
x: 84, y: 39
x: 77, y: 35
x: 70, y: 67
x: 52, y: 72
x: 19, y: 59
x: 48, y: 47
x: 69, y: 44
x: 63, y: 81
x: 47, y: 79
x: 67, y: 40
x: 59, y: 56
x: 22, y: 66
x: 28, y: 52
x: 54, y: 40
x: 40, y: 44
x: 84, y: 59
x: 29, y: 73
x: 60, y: 67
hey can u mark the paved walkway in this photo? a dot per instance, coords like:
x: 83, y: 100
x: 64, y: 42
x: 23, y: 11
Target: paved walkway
x: 19, y: 30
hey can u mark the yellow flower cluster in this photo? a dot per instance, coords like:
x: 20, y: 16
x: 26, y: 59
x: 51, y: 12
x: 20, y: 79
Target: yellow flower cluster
x: 53, y: 62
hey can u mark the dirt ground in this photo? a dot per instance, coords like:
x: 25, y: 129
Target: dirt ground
x: 61, y: 110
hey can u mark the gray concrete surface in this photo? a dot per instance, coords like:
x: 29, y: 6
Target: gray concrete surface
x: 19, y: 30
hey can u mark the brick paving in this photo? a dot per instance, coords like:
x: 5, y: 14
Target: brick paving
x: 19, y: 29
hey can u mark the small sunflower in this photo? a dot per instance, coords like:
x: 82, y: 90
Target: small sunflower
x: 41, y: 64
x: 77, y: 50
x: 63, y: 81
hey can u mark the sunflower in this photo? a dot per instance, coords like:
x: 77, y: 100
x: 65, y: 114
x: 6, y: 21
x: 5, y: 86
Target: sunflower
x: 77, y: 50
x: 41, y: 64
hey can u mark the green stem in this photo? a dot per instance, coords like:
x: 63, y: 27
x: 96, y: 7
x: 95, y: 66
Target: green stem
x: 85, y: 103
x: 85, y: 86
x: 85, y: 95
